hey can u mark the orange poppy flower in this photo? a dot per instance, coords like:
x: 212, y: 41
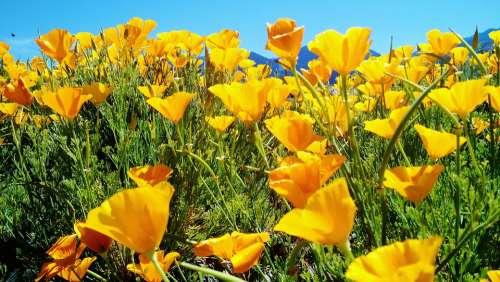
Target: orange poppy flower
x: 94, y: 240
x: 243, y: 250
x: 136, y: 218
x: 150, y: 175
x: 147, y: 270
x: 56, y: 44
x: 18, y: 93
x: 99, y: 92
x: 413, y: 183
x: 297, y: 178
x: 327, y: 217
x: 293, y: 130
x: 284, y: 38
x: 173, y: 106
x: 67, y: 101
x: 66, y: 263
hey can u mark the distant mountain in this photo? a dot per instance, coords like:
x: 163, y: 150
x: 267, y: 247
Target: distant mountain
x: 485, y: 42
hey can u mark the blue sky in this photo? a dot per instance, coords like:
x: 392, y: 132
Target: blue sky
x: 407, y: 21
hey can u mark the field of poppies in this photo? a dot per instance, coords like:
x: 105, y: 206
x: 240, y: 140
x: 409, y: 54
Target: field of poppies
x: 130, y: 155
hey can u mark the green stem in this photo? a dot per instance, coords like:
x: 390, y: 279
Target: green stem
x: 457, y: 189
x: 400, y: 147
x: 471, y: 51
x: 157, y: 265
x: 214, y: 273
x: 260, y: 144
x: 97, y: 276
x: 466, y: 238
x: 390, y: 148
x: 292, y: 258
x: 401, y: 126
x: 352, y: 136
x: 345, y: 249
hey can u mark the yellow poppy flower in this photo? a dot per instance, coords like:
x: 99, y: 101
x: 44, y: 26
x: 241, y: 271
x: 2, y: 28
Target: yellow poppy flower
x: 246, y: 100
x: 136, y: 218
x: 18, y: 93
x: 438, y: 144
x: 327, y: 217
x: 56, y: 44
x: 150, y: 175
x: 479, y: 125
x: 9, y: 109
x: 318, y: 71
x: 284, y: 38
x: 84, y: 40
x: 441, y: 42
x: 220, y: 123
x: 367, y: 105
x: 67, y: 101
x: 386, y: 127
x: 462, y: 98
x: 151, y: 91
x: 413, y: 183
x: 495, y: 36
x: 409, y: 261
x: 227, y: 59
x: 342, y: 53
x: 394, y: 99
x: 243, y: 250
x: 278, y: 95
x: 375, y: 68
x: 4, y: 48
x: 147, y: 270
x: 184, y: 39
x: 94, y: 240
x: 404, y: 52
x: 293, y: 130
x: 494, y: 98
x: 459, y: 55
x: 144, y: 27
x: 223, y: 39
x: 99, y: 92
x: 416, y: 69
x: 297, y: 178
x: 173, y: 106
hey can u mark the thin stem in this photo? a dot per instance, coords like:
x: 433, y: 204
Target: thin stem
x: 345, y: 249
x: 157, y: 265
x: 401, y: 149
x: 390, y: 148
x: 217, y: 274
x: 97, y: 276
x: 259, y: 144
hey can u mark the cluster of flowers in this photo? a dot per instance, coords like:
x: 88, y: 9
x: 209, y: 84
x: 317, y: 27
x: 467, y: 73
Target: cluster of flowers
x: 322, y: 210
